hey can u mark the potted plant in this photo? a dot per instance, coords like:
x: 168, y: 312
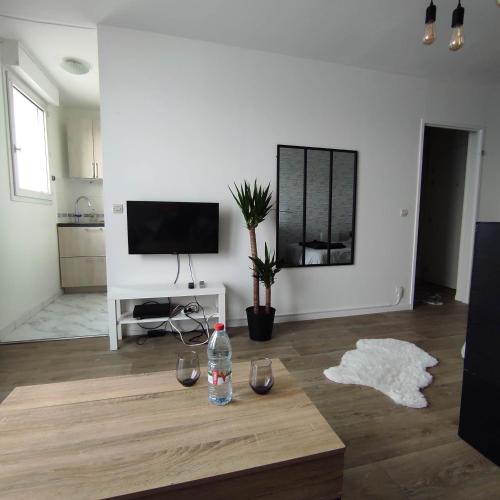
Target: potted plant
x: 254, y: 202
x: 261, y: 325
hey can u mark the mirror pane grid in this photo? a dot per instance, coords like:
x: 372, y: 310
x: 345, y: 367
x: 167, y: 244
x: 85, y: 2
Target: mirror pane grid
x: 343, y: 176
x: 316, y: 206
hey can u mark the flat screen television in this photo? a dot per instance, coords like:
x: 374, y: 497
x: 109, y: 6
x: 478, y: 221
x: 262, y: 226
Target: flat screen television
x: 159, y: 227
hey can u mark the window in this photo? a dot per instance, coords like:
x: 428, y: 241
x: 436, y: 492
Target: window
x: 28, y: 142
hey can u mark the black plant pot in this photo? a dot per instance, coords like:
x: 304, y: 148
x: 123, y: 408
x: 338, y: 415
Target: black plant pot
x: 260, y: 325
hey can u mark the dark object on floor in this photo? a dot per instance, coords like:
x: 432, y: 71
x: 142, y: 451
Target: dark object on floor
x: 433, y: 300
x: 260, y: 326
x: 480, y: 408
x: 158, y: 332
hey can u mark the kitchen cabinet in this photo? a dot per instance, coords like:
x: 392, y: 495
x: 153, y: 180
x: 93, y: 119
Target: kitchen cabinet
x: 82, y: 256
x: 84, y: 147
x: 84, y: 241
x: 83, y: 271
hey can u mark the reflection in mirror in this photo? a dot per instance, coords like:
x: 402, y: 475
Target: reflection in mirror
x: 317, y: 195
x: 316, y: 206
x: 291, y: 203
x: 343, y: 186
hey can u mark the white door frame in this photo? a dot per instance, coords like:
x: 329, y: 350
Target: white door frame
x: 470, y: 205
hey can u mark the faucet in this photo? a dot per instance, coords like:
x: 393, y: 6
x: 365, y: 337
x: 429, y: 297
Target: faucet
x: 77, y: 213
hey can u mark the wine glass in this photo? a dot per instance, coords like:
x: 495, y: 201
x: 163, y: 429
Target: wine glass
x: 188, y: 368
x: 261, y: 375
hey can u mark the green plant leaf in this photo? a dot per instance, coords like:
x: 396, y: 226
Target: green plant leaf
x: 254, y: 202
x: 267, y: 269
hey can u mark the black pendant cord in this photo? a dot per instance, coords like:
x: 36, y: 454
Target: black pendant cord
x: 457, y: 18
x: 430, y: 13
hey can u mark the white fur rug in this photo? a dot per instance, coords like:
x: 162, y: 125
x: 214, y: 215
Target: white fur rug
x: 394, y: 367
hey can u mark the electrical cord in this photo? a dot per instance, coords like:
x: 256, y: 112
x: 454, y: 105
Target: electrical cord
x: 142, y: 339
x: 199, y: 323
x: 204, y: 315
x: 205, y: 328
x: 200, y: 307
x: 188, y: 309
x: 178, y: 269
x: 190, y: 267
x: 183, y: 340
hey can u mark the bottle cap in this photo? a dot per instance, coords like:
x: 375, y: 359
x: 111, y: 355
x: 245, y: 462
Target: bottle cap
x: 218, y: 327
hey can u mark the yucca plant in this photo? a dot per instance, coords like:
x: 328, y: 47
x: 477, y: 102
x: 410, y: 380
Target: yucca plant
x: 255, y: 204
x: 265, y: 271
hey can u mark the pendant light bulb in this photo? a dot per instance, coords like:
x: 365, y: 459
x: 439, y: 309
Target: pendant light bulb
x: 457, y: 25
x: 457, y: 38
x: 430, y: 24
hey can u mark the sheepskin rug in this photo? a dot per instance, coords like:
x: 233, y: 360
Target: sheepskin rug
x: 394, y: 367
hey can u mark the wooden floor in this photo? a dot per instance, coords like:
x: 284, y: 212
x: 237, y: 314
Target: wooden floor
x: 392, y: 452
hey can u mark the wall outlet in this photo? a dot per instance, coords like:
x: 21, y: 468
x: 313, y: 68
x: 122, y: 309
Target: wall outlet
x: 117, y: 208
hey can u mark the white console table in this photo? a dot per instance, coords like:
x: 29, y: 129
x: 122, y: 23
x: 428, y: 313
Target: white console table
x: 118, y: 317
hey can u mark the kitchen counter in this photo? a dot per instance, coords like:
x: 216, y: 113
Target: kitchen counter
x: 80, y: 224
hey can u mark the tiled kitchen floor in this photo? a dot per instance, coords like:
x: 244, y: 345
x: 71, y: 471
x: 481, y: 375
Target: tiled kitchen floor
x: 69, y: 316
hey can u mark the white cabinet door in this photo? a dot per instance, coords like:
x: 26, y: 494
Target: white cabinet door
x: 83, y: 271
x: 96, y: 130
x: 81, y: 148
x: 81, y: 242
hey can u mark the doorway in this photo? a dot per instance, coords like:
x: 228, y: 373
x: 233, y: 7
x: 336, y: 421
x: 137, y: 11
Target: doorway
x: 446, y: 214
x: 53, y: 264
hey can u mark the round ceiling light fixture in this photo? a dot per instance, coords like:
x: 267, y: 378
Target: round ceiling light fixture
x: 75, y: 66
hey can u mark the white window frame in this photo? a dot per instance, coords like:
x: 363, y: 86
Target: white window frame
x: 17, y: 193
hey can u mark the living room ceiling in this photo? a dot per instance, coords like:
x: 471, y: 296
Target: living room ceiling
x: 382, y: 35
x: 49, y: 44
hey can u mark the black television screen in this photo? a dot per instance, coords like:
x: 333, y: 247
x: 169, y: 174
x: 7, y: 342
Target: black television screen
x: 158, y: 227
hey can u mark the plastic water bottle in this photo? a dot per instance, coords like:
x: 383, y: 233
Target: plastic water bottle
x: 220, y: 387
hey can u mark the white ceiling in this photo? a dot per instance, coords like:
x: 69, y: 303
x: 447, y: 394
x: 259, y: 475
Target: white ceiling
x: 382, y: 34
x: 49, y: 44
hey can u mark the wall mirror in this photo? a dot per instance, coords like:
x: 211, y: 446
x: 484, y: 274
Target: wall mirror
x: 316, y: 206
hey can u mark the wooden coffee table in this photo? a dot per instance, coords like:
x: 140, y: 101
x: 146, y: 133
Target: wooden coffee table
x: 147, y: 436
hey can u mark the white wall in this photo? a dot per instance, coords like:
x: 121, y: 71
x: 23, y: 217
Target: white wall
x: 182, y: 119
x: 29, y: 263
x: 489, y: 207
x: 442, y: 199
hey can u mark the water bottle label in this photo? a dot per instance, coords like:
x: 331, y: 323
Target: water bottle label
x: 219, y: 377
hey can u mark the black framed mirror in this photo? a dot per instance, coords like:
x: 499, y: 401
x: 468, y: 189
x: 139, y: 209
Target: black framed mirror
x: 316, y: 206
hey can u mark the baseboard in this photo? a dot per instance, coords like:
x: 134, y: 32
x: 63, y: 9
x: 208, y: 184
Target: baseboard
x: 53, y: 339
x: 85, y: 289
x: 331, y: 313
x: 289, y: 318
x: 462, y: 299
x: 26, y: 316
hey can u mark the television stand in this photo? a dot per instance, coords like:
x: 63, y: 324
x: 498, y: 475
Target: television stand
x: 119, y: 317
